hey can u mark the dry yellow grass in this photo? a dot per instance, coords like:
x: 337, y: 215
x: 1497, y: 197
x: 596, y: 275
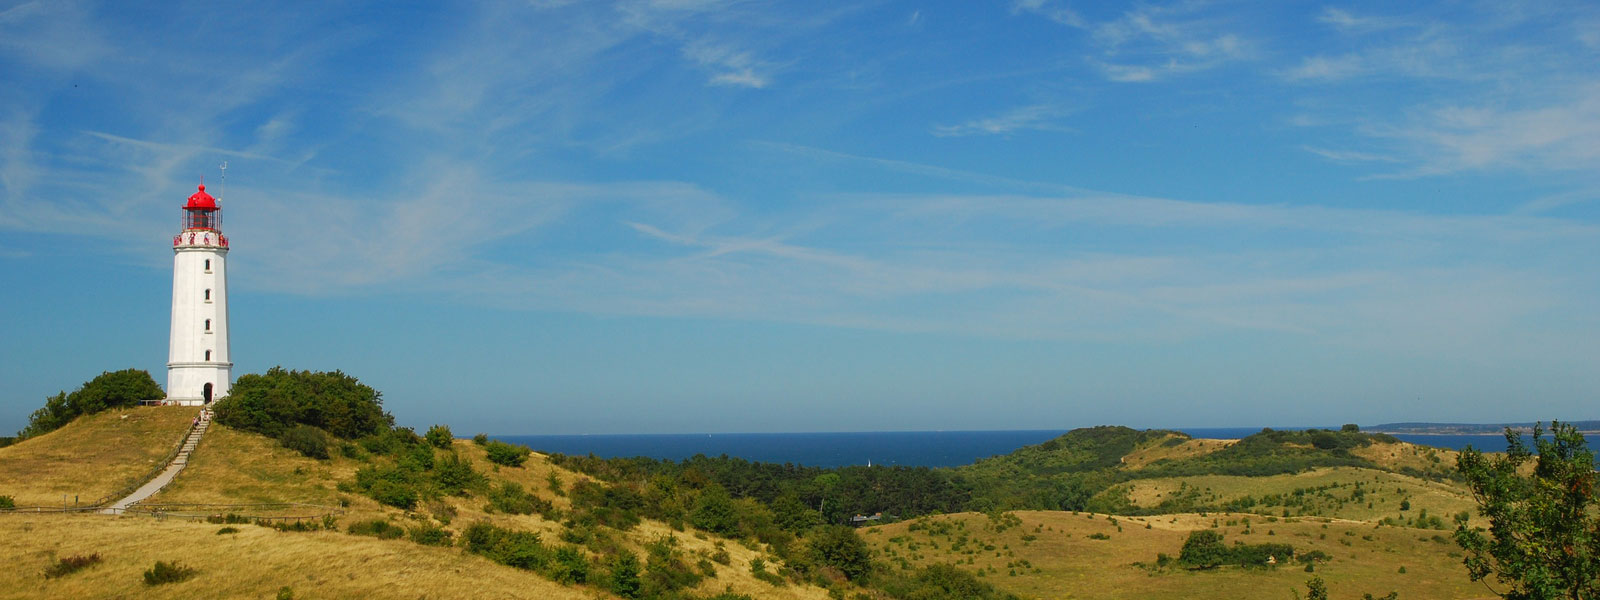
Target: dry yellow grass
x: 1070, y: 564
x: 236, y: 467
x: 253, y: 563
x: 1155, y: 451
x: 92, y: 456
x: 1384, y: 492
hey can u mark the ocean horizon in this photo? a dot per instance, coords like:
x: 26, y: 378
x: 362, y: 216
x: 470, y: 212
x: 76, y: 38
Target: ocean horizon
x: 888, y: 448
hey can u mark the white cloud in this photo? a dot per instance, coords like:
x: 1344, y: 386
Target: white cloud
x: 1049, y: 10
x: 729, y: 66
x: 1327, y: 68
x: 1345, y: 21
x: 1034, y: 117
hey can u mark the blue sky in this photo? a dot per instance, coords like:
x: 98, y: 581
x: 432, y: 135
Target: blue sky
x: 715, y: 216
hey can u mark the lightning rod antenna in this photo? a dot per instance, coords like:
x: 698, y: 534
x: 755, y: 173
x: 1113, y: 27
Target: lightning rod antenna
x: 223, y: 187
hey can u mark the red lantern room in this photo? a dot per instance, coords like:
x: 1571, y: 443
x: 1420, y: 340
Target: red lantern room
x: 202, y: 212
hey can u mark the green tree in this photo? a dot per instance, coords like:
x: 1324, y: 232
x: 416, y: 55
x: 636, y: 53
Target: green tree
x: 1203, y: 550
x: 1543, y: 540
x: 439, y: 436
x: 839, y: 547
x: 625, y: 575
x: 111, y: 389
x: 275, y: 401
x: 713, y: 511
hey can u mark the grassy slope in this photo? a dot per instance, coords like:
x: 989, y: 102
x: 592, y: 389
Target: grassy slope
x: 240, y: 467
x: 1384, y: 492
x: 1072, y: 565
x: 91, y: 456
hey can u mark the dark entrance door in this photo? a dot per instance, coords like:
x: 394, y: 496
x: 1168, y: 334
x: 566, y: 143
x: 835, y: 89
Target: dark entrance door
x: 206, y: 391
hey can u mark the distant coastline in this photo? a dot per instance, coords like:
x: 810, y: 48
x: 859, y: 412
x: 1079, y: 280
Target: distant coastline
x: 1421, y: 428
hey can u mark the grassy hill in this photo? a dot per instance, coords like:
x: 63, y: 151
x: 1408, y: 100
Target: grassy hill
x: 1372, y: 505
x: 1052, y: 554
x: 92, y: 456
x: 233, y: 467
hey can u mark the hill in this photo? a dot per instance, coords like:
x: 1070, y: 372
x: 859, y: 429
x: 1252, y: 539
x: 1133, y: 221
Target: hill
x: 91, y: 457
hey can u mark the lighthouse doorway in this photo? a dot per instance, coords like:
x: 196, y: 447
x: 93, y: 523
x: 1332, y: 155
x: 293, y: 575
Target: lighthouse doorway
x: 206, y: 391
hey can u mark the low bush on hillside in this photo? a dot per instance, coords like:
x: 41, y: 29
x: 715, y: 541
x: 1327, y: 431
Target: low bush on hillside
x: 227, y: 530
x: 429, y: 535
x: 481, y: 439
x: 511, y: 455
x: 1204, y: 550
x: 455, y: 476
x: 439, y: 436
x: 943, y: 582
x: 164, y: 572
x: 377, y: 528
x: 70, y: 565
x: 520, y: 549
x: 510, y: 498
x: 112, y: 389
x: 307, y: 440
x: 617, y: 506
x: 665, y: 570
x: 7, y: 502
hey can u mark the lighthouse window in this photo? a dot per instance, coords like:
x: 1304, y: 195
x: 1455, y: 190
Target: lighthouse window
x: 208, y: 325
x: 208, y: 355
x: 208, y: 295
x: 208, y: 265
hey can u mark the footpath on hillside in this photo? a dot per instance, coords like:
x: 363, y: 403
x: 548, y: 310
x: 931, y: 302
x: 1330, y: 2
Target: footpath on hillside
x: 179, y: 461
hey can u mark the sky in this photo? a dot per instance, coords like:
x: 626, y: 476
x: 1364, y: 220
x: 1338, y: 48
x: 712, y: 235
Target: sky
x: 668, y: 216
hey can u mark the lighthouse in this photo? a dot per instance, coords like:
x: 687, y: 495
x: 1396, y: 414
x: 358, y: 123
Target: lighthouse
x: 199, y: 369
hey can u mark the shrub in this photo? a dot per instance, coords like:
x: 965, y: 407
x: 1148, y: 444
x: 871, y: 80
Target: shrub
x: 713, y: 512
x: 570, y: 566
x: 165, y: 572
x: 307, y: 440
x: 510, y: 498
x: 275, y: 401
x: 481, y: 439
x: 378, y: 528
x: 511, y: 455
x: 227, y: 530
x: 839, y: 547
x: 7, y: 502
x: 625, y: 575
x: 70, y: 565
x: 286, y: 593
x: 665, y: 570
x: 439, y: 436
x: 520, y: 549
x: 429, y: 535
x: 393, y: 494
x: 455, y: 475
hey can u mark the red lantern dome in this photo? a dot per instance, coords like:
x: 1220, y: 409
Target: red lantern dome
x: 201, y: 201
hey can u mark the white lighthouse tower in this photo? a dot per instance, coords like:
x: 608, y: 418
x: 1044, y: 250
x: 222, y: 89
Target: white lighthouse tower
x: 199, y: 369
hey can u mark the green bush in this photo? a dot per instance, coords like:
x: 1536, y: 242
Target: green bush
x: 70, y: 565
x: 274, y: 402
x: 510, y: 498
x: 7, y: 502
x: 520, y: 549
x: 570, y: 566
x: 393, y: 494
x: 481, y: 439
x: 439, y: 436
x: 839, y: 547
x: 1204, y: 550
x: 511, y: 455
x: 455, y: 475
x: 111, y: 389
x: 665, y: 570
x: 616, y: 506
x: 377, y: 528
x: 307, y: 440
x: 714, y: 512
x: 943, y: 582
x: 165, y: 572
x: 624, y: 579
x: 429, y: 535
x: 227, y: 530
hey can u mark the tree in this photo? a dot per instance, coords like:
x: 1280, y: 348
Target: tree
x: 1543, y: 539
x: 839, y: 547
x: 625, y: 575
x: 1203, y: 550
x: 439, y: 436
x: 713, y: 511
x: 275, y: 401
x: 111, y: 389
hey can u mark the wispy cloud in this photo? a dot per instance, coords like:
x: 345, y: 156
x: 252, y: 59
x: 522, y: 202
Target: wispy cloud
x: 728, y: 66
x: 1032, y: 117
x: 1050, y: 10
x: 1346, y: 21
x: 1149, y: 43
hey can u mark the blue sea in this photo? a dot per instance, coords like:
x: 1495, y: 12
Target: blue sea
x: 908, y: 448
